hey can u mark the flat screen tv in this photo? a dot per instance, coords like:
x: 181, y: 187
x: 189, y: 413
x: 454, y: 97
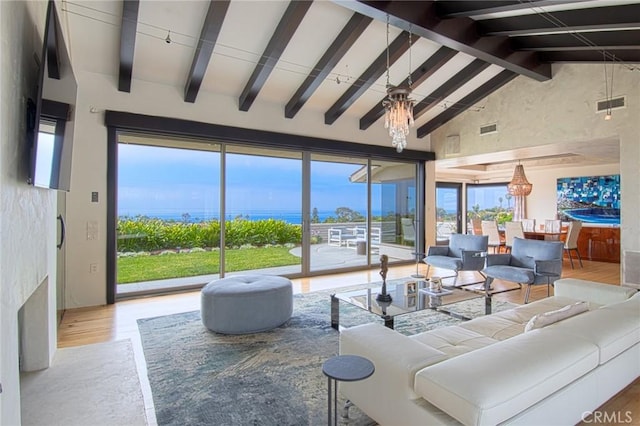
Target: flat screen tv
x: 49, y: 122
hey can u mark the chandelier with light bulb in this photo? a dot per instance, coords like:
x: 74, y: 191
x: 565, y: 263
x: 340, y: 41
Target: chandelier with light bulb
x: 398, y: 106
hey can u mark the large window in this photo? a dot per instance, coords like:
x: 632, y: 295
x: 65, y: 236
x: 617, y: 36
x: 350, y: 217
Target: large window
x: 190, y: 211
x: 489, y: 202
x: 168, y: 224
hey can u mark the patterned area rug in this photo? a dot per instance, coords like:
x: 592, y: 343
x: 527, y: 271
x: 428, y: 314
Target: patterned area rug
x: 274, y: 378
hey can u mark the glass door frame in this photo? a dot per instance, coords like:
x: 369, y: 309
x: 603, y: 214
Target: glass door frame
x: 459, y: 213
x: 117, y: 122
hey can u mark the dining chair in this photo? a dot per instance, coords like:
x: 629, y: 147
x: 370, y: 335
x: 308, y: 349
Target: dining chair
x: 571, y: 242
x: 490, y: 229
x: 476, y: 226
x: 552, y: 225
x: 528, y: 225
x: 511, y: 231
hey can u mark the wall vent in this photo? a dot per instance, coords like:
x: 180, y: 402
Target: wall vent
x: 615, y: 103
x: 489, y: 128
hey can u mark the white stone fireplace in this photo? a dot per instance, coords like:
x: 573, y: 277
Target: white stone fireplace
x: 34, y: 330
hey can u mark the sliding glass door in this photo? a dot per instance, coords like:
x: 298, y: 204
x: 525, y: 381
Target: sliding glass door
x: 394, y: 208
x: 448, y: 210
x: 263, y: 211
x: 168, y: 225
x: 338, y: 212
x: 190, y: 211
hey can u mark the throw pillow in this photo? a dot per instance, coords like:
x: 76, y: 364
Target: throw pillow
x: 547, y: 318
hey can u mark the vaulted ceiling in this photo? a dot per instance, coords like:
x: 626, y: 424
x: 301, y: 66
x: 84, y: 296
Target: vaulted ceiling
x: 331, y: 57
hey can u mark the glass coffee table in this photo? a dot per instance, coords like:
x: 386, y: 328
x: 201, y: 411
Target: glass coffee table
x: 407, y: 297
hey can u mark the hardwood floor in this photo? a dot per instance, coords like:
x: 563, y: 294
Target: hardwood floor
x: 114, y: 322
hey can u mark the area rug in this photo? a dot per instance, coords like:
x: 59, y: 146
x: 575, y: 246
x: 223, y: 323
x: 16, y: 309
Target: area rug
x: 273, y: 378
x: 85, y: 385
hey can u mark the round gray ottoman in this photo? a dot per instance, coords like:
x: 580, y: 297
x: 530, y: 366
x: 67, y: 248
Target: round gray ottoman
x: 246, y: 303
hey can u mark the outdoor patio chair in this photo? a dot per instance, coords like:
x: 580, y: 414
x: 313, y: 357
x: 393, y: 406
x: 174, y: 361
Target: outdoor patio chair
x: 464, y: 253
x: 530, y: 262
x: 408, y: 230
x: 339, y: 237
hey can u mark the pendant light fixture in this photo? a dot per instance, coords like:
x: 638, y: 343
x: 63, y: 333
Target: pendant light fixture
x: 519, y: 185
x: 398, y: 116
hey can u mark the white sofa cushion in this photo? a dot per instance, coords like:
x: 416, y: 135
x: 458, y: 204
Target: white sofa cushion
x: 591, y: 291
x: 551, y: 317
x: 453, y: 340
x: 494, y: 326
x: 401, y: 356
x: 494, y: 383
x: 610, y: 327
x: 510, y: 323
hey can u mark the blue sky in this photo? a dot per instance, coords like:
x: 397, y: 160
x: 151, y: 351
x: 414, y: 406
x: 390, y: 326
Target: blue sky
x: 170, y: 181
x: 155, y: 180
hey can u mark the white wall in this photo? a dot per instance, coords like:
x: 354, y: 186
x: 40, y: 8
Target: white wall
x: 90, y: 147
x: 27, y: 214
x: 561, y: 110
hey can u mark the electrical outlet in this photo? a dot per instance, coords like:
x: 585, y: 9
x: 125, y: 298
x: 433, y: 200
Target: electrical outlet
x: 93, y: 268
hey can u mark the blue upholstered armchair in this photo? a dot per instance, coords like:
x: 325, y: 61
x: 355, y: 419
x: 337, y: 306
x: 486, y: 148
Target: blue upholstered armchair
x: 530, y: 262
x: 464, y: 253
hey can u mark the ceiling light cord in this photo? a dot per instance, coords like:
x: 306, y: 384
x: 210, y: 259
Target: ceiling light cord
x: 608, y: 87
x: 388, y: 84
x: 410, y: 37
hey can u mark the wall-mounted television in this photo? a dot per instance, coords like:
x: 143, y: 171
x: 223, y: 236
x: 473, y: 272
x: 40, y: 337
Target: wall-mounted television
x: 49, y: 116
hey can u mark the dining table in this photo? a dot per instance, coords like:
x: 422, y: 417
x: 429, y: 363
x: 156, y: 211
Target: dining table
x: 545, y: 235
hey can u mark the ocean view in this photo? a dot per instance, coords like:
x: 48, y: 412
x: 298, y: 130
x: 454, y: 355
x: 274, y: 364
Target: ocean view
x: 196, y: 217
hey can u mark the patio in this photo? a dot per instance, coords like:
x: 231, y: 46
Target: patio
x: 324, y: 257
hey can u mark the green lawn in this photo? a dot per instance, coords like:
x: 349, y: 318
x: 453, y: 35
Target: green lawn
x: 148, y: 268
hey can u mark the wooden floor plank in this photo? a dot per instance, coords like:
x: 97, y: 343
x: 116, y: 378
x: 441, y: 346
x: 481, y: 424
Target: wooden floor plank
x: 113, y: 322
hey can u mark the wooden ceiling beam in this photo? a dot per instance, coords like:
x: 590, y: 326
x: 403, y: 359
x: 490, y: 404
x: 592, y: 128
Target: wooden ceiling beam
x: 396, y: 49
x: 424, y: 71
x: 591, y: 56
x: 282, y: 35
x: 472, y: 98
x: 450, y: 86
x: 595, y: 18
x: 598, y: 40
x: 342, y: 43
x: 468, y: 8
x: 421, y: 18
x: 207, y: 41
x: 127, y: 43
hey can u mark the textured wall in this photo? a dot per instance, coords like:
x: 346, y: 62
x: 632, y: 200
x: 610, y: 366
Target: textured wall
x: 561, y: 110
x: 27, y: 214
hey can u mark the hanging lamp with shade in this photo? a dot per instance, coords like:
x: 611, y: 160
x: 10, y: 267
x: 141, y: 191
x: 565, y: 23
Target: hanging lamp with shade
x: 519, y: 185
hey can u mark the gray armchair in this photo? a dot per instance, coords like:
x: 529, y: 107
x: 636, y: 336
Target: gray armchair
x: 464, y: 253
x: 530, y: 262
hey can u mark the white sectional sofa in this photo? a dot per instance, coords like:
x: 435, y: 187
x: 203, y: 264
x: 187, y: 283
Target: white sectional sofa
x: 490, y: 371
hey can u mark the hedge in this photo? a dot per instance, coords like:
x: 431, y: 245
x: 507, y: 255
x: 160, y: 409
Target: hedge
x: 151, y: 234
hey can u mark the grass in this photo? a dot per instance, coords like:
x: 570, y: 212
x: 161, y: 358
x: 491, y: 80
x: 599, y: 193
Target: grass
x: 149, y: 268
